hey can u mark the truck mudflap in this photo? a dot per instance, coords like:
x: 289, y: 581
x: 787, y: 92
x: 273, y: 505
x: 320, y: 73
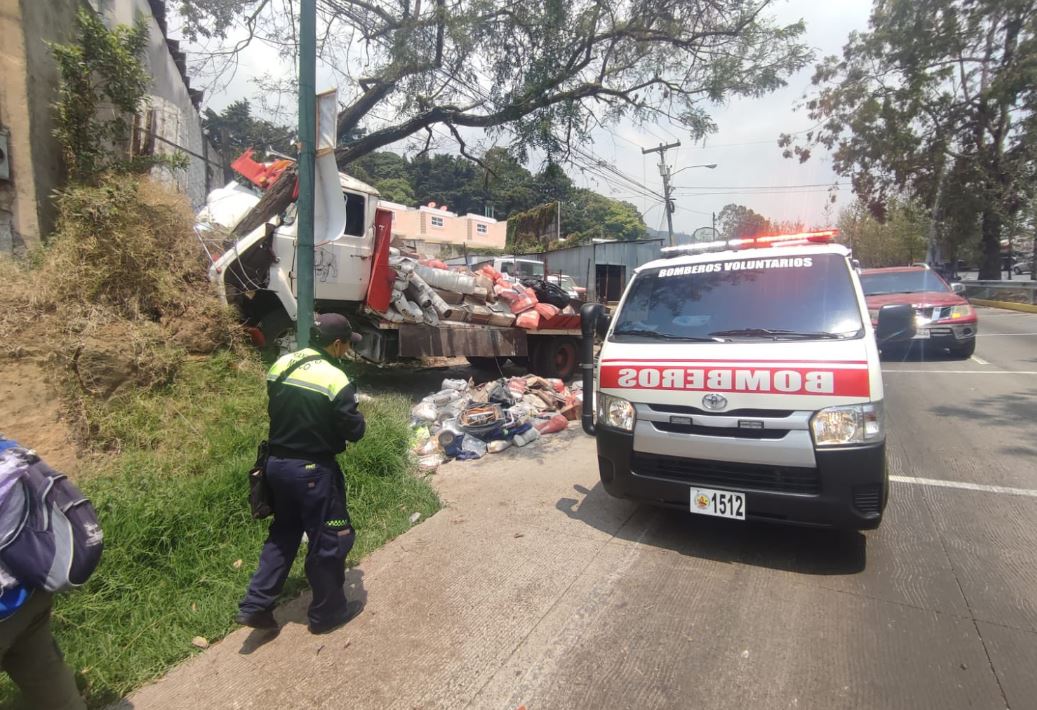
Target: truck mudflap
x: 849, y: 489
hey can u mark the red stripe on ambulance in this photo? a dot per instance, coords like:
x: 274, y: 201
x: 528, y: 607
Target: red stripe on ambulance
x: 840, y: 382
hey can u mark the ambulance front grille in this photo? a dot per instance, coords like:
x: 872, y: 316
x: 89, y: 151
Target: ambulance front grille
x: 757, y: 413
x: 727, y: 474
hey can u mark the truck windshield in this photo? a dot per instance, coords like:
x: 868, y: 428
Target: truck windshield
x: 789, y: 298
x: 523, y: 269
x: 902, y: 282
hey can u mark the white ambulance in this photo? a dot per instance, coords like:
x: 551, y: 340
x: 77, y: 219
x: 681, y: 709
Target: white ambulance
x: 741, y: 379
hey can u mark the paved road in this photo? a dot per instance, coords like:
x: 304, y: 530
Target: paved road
x: 534, y: 588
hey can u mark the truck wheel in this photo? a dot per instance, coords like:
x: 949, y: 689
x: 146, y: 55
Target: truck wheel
x: 278, y: 333
x: 490, y: 364
x: 556, y: 357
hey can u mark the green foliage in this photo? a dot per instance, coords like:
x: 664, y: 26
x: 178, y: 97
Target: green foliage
x: 103, y: 84
x: 175, y: 515
x: 738, y: 221
x: 235, y: 130
x: 898, y: 240
x: 937, y: 101
x: 396, y: 190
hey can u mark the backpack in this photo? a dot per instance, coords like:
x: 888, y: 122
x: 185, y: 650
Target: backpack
x: 51, y: 538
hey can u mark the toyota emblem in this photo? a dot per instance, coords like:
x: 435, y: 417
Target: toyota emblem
x: 714, y: 401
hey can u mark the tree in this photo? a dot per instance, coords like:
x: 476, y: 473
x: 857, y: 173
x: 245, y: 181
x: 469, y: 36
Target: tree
x: 549, y: 71
x: 235, y: 130
x: 898, y: 240
x: 396, y: 190
x: 936, y: 102
x: 738, y: 222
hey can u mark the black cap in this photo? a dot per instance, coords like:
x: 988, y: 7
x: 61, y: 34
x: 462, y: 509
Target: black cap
x: 334, y: 326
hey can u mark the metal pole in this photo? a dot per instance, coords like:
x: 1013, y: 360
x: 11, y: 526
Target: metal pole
x: 307, y: 151
x: 664, y: 171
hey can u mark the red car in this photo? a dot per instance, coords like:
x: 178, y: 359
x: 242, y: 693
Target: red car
x: 943, y: 317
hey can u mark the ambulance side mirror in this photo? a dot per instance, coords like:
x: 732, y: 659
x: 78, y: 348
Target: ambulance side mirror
x: 896, y: 324
x: 602, y: 325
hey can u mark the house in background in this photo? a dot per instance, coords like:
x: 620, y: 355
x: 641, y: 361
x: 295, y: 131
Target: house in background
x: 31, y: 166
x: 442, y: 232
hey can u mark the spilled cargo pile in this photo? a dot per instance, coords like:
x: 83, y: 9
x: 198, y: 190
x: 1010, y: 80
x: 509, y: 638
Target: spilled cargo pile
x: 463, y: 421
x: 428, y: 291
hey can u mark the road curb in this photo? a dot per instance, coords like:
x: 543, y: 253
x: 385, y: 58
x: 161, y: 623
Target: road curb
x: 1024, y: 307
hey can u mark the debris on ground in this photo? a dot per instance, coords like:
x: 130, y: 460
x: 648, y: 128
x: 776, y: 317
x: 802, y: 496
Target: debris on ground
x: 465, y: 421
x: 428, y: 291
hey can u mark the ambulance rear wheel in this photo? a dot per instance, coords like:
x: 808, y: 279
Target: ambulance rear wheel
x: 556, y: 357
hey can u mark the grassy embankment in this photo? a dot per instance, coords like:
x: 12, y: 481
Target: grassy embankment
x: 176, y: 522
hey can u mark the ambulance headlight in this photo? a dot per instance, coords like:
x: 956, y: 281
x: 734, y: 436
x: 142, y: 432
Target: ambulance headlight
x: 851, y: 424
x: 615, y: 412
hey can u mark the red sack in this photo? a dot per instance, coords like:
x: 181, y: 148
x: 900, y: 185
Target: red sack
x: 553, y: 425
x: 506, y: 293
x: 528, y: 320
x: 434, y: 264
x: 524, y: 304
x: 546, y: 310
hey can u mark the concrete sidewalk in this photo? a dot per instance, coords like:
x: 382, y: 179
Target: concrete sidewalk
x: 452, y: 606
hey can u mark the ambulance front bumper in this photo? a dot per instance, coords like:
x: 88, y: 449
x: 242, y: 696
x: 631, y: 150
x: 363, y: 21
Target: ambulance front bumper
x: 845, y: 487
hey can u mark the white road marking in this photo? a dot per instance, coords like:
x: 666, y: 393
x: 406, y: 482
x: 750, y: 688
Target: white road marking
x: 1001, y: 335
x: 965, y: 486
x: 961, y: 372
x: 977, y: 359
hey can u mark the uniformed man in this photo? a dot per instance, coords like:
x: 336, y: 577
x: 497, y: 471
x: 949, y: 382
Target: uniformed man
x: 313, y: 413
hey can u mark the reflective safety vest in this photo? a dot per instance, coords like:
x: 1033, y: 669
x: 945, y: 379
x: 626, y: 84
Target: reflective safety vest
x: 312, y: 406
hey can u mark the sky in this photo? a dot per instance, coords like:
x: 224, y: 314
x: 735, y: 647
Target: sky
x: 750, y: 168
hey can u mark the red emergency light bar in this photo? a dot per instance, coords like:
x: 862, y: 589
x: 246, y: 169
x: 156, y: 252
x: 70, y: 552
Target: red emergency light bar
x: 824, y: 236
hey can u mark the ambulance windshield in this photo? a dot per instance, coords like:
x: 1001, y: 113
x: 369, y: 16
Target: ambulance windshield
x: 787, y: 298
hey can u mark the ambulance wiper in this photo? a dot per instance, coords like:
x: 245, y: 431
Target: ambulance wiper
x: 777, y: 333
x: 645, y: 333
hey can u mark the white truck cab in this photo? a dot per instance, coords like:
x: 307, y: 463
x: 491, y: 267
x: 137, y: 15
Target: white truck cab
x: 741, y: 379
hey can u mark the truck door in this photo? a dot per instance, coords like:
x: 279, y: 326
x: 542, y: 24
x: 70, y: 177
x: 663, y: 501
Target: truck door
x: 342, y: 236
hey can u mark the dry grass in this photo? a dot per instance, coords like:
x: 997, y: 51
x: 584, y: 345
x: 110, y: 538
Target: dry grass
x: 118, y: 296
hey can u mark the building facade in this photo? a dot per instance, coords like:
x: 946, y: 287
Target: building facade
x: 31, y: 164
x: 435, y: 225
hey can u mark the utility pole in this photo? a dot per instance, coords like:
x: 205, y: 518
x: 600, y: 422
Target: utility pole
x: 664, y: 171
x: 714, y: 225
x: 307, y: 152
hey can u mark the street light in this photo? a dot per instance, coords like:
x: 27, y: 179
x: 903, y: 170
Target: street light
x: 711, y: 166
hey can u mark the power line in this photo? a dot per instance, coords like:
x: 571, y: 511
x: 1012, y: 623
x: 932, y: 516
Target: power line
x: 765, y: 187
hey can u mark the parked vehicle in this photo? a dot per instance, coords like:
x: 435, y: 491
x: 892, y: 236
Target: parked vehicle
x: 352, y: 275
x: 944, y: 319
x: 742, y: 380
x: 568, y: 284
x: 516, y: 267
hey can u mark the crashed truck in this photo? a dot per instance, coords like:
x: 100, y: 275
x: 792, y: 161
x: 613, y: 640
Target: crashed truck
x: 359, y: 274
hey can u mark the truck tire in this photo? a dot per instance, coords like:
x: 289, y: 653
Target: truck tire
x: 489, y: 364
x: 557, y: 356
x: 278, y: 333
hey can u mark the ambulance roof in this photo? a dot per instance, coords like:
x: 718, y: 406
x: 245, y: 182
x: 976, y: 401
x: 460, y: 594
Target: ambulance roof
x: 775, y: 252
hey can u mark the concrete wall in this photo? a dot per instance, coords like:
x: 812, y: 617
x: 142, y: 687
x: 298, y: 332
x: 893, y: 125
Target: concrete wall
x: 177, y: 121
x: 28, y: 87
